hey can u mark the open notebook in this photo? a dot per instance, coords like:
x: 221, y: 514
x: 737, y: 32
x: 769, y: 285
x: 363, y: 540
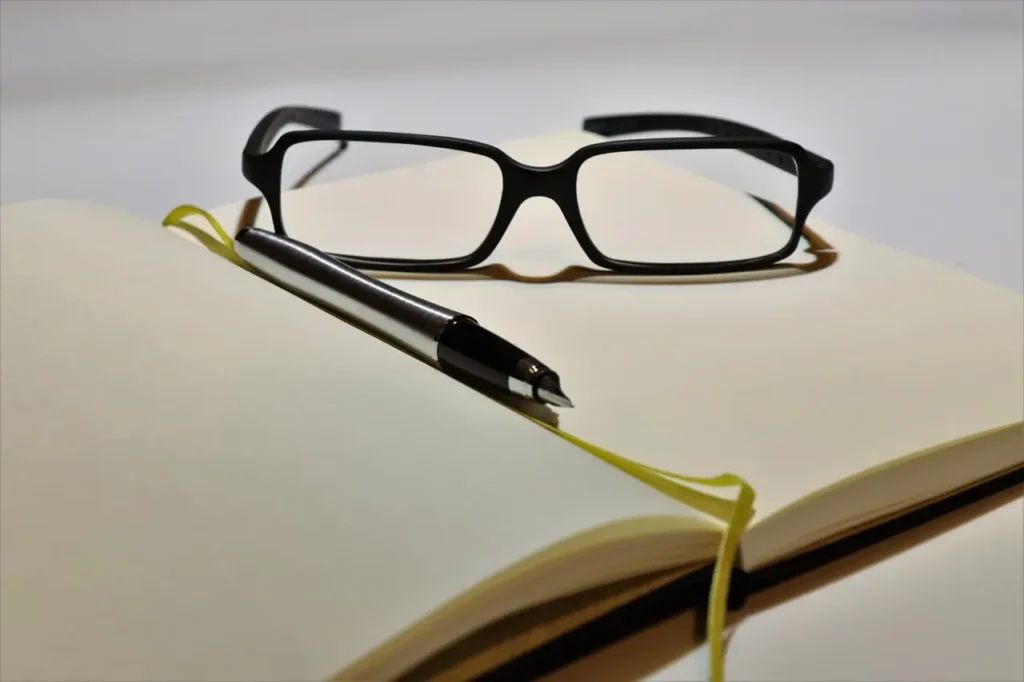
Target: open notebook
x: 823, y: 383
x: 205, y: 477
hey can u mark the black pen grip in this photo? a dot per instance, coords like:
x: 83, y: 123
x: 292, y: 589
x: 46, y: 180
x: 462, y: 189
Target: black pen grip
x: 466, y: 348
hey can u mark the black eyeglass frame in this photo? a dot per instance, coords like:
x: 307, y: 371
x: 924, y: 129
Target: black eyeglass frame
x: 262, y: 166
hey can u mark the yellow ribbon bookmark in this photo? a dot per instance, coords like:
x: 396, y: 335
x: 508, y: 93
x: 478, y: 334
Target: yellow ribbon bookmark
x: 736, y: 514
x: 224, y: 248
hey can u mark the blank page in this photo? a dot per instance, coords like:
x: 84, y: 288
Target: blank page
x: 205, y: 478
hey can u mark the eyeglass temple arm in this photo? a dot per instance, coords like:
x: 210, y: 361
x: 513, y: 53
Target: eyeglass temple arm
x: 263, y: 135
x: 625, y: 124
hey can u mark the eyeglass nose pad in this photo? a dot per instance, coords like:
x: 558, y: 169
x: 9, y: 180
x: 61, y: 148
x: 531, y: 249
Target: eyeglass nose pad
x: 538, y: 242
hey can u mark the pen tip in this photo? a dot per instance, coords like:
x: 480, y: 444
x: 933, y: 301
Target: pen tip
x: 550, y: 391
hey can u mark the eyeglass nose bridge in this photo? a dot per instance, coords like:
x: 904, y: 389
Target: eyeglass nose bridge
x: 556, y: 182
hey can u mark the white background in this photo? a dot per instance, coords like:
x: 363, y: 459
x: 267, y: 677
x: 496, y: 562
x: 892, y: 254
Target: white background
x: 146, y: 105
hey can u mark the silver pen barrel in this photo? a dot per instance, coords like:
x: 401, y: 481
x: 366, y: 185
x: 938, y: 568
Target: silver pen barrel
x: 404, y: 319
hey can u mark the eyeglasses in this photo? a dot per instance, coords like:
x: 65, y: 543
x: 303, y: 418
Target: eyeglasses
x: 735, y: 199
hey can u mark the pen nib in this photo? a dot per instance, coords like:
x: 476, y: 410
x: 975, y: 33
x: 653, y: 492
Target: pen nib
x: 550, y: 391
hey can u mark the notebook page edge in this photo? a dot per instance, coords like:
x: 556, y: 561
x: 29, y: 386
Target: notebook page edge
x: 1003, y: 450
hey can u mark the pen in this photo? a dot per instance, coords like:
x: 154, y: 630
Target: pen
x: 452, y: 341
